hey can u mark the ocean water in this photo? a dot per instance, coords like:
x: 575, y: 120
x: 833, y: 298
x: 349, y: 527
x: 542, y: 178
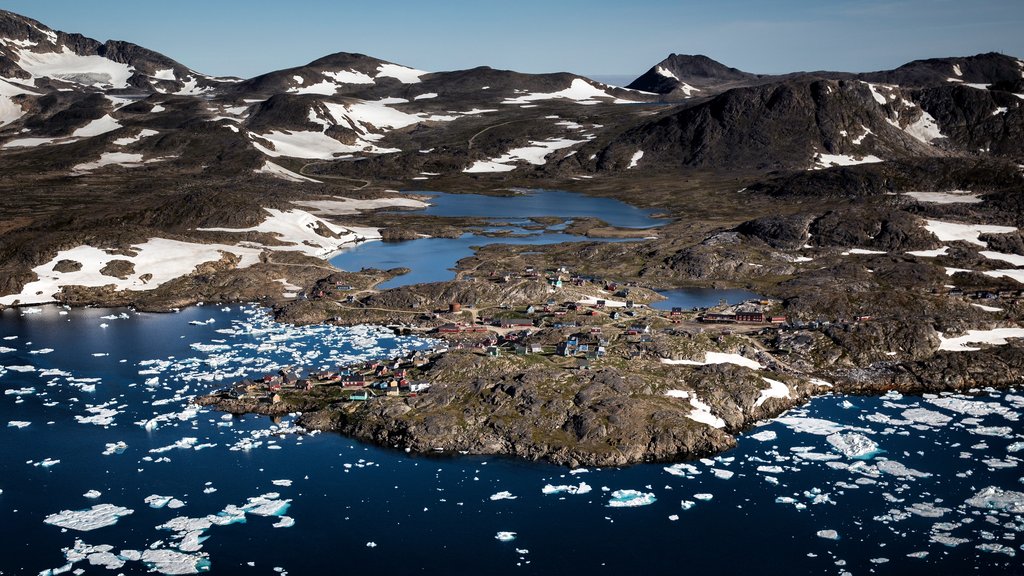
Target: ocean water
x: 916, y: 485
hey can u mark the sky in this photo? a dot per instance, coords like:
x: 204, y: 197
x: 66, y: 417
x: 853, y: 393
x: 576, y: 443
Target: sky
x: 591, y: 37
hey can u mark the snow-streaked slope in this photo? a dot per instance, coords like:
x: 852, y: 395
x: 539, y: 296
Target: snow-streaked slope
x: 67, y: 66
x: 579, y: 91
x: 161, y: 258
x: 304, y: 232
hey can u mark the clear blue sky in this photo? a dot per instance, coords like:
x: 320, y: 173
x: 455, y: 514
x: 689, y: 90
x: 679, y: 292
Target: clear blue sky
x: 250, y: 37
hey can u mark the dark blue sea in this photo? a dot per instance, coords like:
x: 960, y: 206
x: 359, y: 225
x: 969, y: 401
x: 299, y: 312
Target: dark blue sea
x: 940, y: 493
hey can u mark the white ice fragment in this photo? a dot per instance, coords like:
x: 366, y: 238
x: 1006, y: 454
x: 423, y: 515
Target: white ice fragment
x: 503, y: 495
x: 630, y: 498
x: 853, y: 445
x: 99, y: 516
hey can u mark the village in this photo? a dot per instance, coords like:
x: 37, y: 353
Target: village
x: 576, y: 334
x: 576, y: 326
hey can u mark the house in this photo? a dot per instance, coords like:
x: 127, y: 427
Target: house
x: 719, y: 317
x: 493, y: 351
x: 750, y: 317
x: 677, y: 311
x: 535, y: 349
x: 419, y: 386
x: 354, y: 381
x: 362, y: 395
x: 582, y: 364
x: 449, y: 329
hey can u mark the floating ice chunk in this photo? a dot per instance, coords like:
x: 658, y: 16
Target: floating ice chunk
x: 284, y: 483
x: 93, y: 494
x: 927, y: 510
x: 183, y: 444
x: 704, y: 496
x: 18, y: 424
x: 926, y: 416
x: 115, y: 448
x: 47, y: 462
x: 21, y: 368
x: 157, y: 501
x: 284, y: 522
x: 503, y: 495
x: 682, y: 469
x: 687, y: 504
x: 723, y: 474
x: 583, y: 488
x: 764, y: 436
x: 505, y: 536
x: 174, y: 562
x: 811, y: 425
x: 918, y: 555
x: 99, y: 516
x: 630, y: 498
x: 973, y: 407
x: 853, y: 445
x: 828, y: 534
x: 897, y: 469
x: 993, y: 498
x: 266, y: 505
x: 996, y: 549
x: 947, y: 540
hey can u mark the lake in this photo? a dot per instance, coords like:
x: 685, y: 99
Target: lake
x: 688, y: 298
x: 940, y: 495
x: 434, y: 259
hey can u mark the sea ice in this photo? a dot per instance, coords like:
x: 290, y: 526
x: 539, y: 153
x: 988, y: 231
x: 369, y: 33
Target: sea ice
x: 583, y: 488
x: 764, y: 436
x: 630, y: 498
x: 99, y: 516
x: 993, y: 498
x: 853, y: 445
x: 505, y: 536
x: 503, y: 495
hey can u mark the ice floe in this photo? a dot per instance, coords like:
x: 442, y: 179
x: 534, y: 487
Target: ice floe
x: 99, y: 516
x: 630, y: 499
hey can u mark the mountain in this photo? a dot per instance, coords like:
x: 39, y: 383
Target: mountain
x: 35, y: 56
x: 683, y: 75
x: 1004, y: 72
x: 807, y: 122
x: 108, y: 143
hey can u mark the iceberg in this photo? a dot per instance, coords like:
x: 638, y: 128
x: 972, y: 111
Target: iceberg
x: 630, y: 499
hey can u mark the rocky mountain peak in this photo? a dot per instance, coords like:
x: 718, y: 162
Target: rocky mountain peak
x: 689, y: 74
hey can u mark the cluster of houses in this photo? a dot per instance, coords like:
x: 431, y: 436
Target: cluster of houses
x: 749, y: 312
x: 362, y: 381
